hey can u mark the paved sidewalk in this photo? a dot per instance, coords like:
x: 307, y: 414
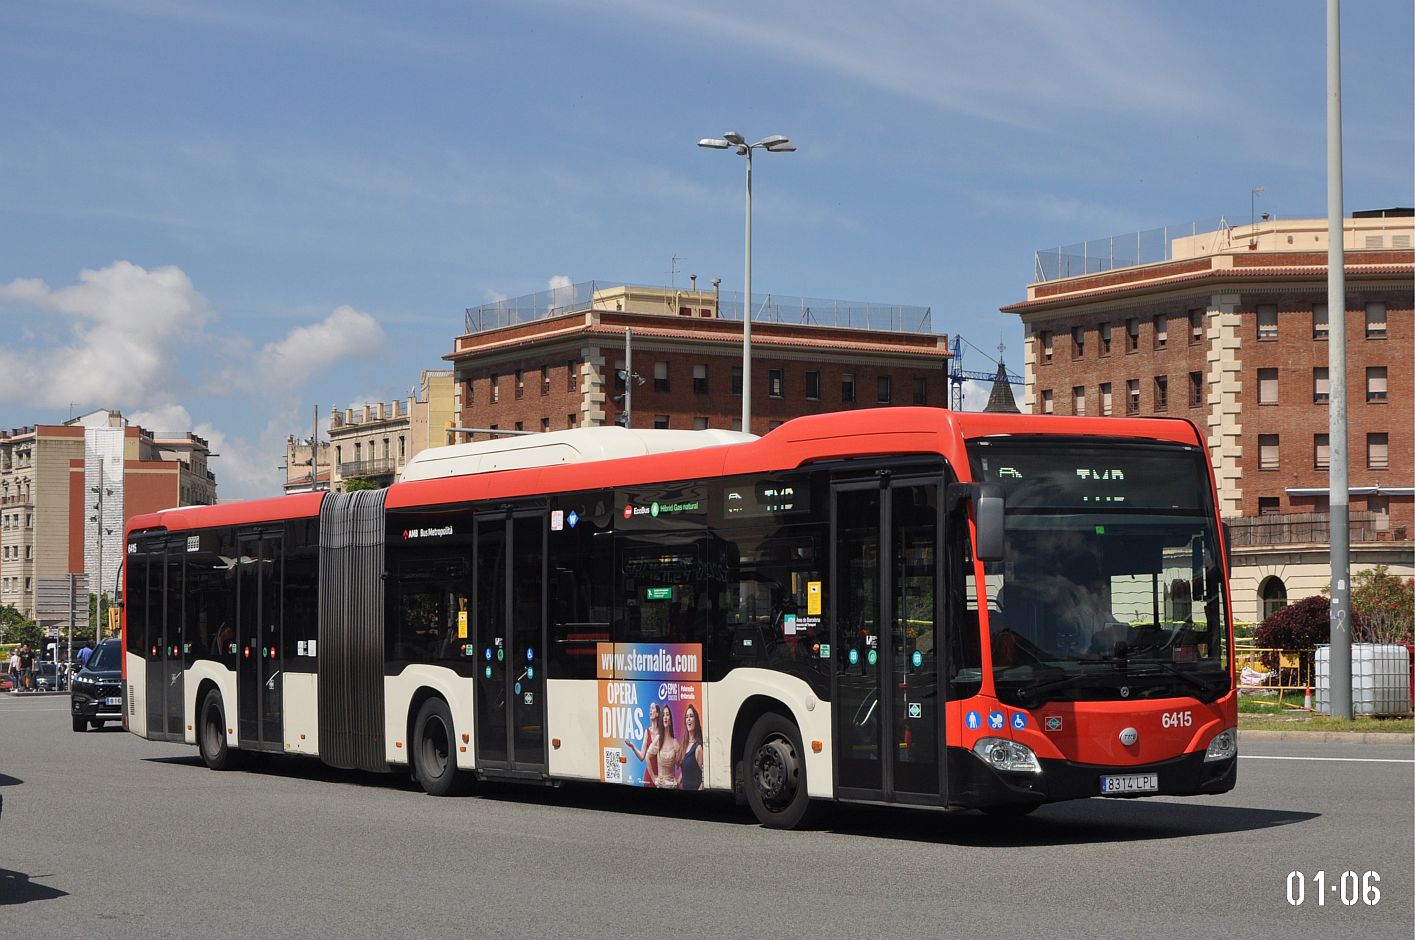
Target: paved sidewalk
x: 1323, y: 737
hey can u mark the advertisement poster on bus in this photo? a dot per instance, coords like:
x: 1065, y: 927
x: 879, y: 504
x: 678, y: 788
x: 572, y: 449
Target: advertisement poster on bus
x: 651, y: 711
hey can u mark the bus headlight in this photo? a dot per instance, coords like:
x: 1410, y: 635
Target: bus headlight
x: 1002, y: 754
x: 1223, y: 746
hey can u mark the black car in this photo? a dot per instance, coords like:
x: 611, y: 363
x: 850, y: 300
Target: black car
x: 97, y: 694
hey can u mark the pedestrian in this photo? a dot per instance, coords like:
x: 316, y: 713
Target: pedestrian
x: 83, y: 654
x: 14, y: 670
x: 26, y: 668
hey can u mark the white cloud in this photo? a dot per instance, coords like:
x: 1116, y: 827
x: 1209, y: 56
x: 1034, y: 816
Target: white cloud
x: 309, y: 350
x: 559, y: 282
x: 123, y: 324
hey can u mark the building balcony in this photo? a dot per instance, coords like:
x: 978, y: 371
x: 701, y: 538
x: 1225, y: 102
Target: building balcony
x: 1310, y: 528
x: 378, y: 467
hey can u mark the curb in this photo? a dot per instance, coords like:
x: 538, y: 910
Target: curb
x: 1329, y: 737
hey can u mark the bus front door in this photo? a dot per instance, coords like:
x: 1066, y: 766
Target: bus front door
x: 509, y: 604
x: 259, y: 615
x: 889, y: 718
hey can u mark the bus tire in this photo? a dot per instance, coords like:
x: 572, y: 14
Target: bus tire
x: 216, y: 752
x: 775, y: 765
x: 434, y: 754
x: 80, y: 724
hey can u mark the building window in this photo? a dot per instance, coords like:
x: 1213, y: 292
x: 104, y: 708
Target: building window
x: 520, y: 385
x: 1376, y: 384
x: 884, y: 390
x: 1047, y: 406
x: 700, y: 383
x: 1161, y: 392
x: 1375, y: 321
x: 402, y: 447
x: 1378, y: 451
x: 467, y: 396
x: 1272, y: 595
x: 775, y: 383
x: 660, y: 376
x: 1161, y: 330
x: 1106, y: 402
x: 545, y: 380
x: 1078, y: 342
x: 386, y: 452
x: 1267, y: 321
x: 700, y: 424
x: 1267, y: 451
x: 520, y: 425
x: 1269, y: 505
x: 813, y: 386
x: 736, y: 424
x: 1078, y: 399
x: 660, y: 422
x: 1321, y: 451
x: 1132, y: 335
x: 1196, y: 326
x: 1267, y: 386
x: 571, y: 419
x: 737, y: 381
x: 544, y: 425
x: 1132, y: 396
x: 1046, y: 346
x: 358, y: 453
x: 495, y: 388
x: 1380, y: 506
x: 921, y: 391
x: 1105, y: 339
x: 339, y: 453
x: 1320, y: 326
x: 847, y: 387
x: 571, y: 373
x: 1321, y: 385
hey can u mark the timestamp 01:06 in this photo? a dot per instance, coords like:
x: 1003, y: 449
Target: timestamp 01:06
x: 1349, y: 887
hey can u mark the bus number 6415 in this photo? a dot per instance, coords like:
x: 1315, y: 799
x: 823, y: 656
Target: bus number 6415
x: 1177, y: 719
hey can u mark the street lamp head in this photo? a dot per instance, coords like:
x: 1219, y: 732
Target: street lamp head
x: 714, y: 143
x: 782, y: 147
x: 769, y: 142
x: 732, y: 137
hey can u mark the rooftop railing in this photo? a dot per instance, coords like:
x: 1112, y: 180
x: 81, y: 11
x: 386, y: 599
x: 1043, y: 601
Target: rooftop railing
x: 766, y: 308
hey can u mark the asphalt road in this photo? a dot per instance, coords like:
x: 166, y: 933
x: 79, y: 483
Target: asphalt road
x: 105, y: 835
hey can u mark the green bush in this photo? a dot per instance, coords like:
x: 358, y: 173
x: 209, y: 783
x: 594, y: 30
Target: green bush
x: 1298, y: 627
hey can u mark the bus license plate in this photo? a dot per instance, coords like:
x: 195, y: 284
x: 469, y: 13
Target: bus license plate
x: 1130, y: 783
x: 113, y: 700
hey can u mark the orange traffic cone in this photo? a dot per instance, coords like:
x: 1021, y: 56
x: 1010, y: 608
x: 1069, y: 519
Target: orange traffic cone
x: 1307, y: 699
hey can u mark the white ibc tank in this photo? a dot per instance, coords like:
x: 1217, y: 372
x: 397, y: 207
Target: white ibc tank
x: 1380, y: 679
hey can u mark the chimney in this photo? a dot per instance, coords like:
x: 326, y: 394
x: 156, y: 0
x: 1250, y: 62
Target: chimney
x: 381, y: 414
x: 693, y: 280
x: 349, y: 416
x: 368, y: 414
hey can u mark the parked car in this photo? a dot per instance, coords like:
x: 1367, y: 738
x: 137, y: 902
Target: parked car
x: 97, y: 695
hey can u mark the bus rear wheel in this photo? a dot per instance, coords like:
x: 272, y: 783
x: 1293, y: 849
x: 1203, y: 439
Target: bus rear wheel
x: 434, y: 755
x: 775, y: 767
x: 216, y: 753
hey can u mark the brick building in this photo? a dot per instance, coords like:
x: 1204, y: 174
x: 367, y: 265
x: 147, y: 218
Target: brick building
x: 52, y: 521
x: 1228, y: 328
x: 553, y: 361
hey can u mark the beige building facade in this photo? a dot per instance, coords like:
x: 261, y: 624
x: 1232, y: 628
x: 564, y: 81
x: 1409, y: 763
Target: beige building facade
x: 374, y: 441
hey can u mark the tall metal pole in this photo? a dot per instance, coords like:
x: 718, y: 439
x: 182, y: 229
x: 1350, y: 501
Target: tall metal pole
x: 1336, y: 361
x: 628, y: 377
x: 314, y: 451
x: 747, y: 311
x: 98, y: 605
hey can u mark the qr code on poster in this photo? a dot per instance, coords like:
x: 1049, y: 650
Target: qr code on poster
x: 613, y: 765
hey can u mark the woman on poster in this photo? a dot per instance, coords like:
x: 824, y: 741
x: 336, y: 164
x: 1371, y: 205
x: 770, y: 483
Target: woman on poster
x: 649, y: 755
x: 670, y: 752
x: 691, y: 766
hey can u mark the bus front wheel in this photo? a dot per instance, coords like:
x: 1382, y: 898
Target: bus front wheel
x: 775, y: 768
x: 434, y: 753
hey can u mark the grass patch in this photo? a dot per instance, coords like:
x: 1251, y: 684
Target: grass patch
x: 1272, y: 703
x: 1304, y: 721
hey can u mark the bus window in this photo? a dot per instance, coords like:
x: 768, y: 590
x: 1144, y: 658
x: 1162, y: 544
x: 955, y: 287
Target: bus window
x: 580, y: 584
x: 663, y: 593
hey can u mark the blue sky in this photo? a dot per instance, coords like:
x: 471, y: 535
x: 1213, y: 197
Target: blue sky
x: 219, y: 214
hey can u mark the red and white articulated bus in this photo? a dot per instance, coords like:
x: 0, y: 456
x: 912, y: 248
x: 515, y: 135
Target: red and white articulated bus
x: 910, y: 606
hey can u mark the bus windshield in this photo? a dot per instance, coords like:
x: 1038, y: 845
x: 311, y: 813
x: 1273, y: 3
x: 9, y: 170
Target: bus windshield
x: 1110, y: 587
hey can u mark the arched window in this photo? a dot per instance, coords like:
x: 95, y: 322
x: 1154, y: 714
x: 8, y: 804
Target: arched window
x: 1272, y: 595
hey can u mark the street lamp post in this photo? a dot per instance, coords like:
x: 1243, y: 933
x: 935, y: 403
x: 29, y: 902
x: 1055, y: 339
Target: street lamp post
x: 773, y: 144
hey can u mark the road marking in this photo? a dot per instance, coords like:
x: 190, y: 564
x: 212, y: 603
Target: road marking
x: 1349, y: 760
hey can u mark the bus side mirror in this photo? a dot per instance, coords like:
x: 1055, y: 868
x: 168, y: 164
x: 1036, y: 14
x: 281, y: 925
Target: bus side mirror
x: 988, y: 507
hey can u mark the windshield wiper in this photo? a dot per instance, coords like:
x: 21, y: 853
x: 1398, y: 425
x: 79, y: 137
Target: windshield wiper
x: 1035, y: 691
x: 1178, y: 673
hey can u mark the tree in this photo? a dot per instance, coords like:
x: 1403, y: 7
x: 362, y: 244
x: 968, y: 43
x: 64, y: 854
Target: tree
x: 19, y: 628
x: 1385, y: 605
x: 359, y: 483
